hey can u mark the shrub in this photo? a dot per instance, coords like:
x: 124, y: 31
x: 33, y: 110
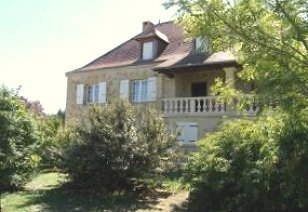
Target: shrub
x: 114, y: 145
x: 50, y: 143
x: 18, y: 140
x: 252, y: 165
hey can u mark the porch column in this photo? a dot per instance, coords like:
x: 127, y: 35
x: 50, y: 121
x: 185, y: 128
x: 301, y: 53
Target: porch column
x: 230, y: 80
x: 230, y: 76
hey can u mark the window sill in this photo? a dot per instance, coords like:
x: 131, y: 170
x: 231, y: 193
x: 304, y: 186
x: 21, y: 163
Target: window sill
x: 148, y: 101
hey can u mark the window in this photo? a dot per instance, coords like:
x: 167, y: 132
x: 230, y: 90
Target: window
x: 96, y: 93
x: 201, y: 45
x: 90, y: 94
x: 140, y: 92
x: 148, y: 50
x: 144, y: 90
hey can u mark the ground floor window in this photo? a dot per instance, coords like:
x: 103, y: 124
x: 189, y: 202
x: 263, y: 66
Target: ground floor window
x: 144, y: 90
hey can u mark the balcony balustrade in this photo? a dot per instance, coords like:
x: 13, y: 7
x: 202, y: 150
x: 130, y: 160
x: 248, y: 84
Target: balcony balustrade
x: 206, y: 106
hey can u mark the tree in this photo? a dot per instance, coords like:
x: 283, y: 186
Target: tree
x: 18, y: 141
x: 270, y: 40
x: 115, y: 145
x: 33, y: 106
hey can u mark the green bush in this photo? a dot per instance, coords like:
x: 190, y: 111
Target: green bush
x: 252, y: 165
x: 115, y: 145
x: 50, y: 143
x: 18, y: 130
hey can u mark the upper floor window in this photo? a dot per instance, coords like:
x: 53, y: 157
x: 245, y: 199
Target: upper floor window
x: 201, y: 45
x: 148, y: 50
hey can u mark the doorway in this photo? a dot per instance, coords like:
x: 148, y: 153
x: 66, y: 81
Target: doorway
x: 198, y: 89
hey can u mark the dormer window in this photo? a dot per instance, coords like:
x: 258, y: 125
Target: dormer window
x: 148, y: 50
x: 152, y: 42
x: 201, y: 45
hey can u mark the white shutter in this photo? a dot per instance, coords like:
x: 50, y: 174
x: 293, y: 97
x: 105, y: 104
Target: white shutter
x: 79, y: 94
x: 188, y: 132
x: 152, y: 88
x: 147, y: 51
x: 102, y: 92
x: 124, y: 89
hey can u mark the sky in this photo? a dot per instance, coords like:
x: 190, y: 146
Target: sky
x: 41, y: 40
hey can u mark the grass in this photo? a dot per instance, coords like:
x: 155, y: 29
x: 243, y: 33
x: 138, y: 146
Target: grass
x: 48, y: 192
x: 173, y: 181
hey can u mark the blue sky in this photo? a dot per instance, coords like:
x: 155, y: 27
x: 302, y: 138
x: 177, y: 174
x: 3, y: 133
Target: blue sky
x: 40, y: 40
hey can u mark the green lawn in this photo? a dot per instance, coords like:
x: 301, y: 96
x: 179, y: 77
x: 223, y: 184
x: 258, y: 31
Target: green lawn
x: 47, y: 192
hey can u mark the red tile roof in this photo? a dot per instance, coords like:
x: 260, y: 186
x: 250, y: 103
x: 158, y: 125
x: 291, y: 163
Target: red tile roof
x: 178, y: 52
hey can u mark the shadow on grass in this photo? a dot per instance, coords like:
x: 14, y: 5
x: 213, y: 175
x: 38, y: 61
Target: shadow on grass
x: 64, y: 198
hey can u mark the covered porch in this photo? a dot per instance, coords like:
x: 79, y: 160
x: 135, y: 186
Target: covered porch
x: 186, y: 91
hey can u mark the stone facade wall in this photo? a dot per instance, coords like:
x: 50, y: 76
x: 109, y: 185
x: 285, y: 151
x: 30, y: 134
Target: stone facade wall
x: 183, y: 81
x: 112, y: 76
x: 167, y: 87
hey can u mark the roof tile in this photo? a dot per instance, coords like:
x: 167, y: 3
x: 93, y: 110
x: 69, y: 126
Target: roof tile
x: 178, y: 52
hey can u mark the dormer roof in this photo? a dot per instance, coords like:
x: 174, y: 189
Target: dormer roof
x: 153, y: 34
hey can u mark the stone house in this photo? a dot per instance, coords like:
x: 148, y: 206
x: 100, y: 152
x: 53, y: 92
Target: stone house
x: 159, y: 67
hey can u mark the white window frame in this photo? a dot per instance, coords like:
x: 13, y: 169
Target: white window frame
x: 139, y: 91
x: 144, y: 90
x: 96, y: 93
x: 201, y: 44
x: 90, y: 94
x: 148, y: 50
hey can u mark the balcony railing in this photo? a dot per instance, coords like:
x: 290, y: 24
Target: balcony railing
x: 208, y: 105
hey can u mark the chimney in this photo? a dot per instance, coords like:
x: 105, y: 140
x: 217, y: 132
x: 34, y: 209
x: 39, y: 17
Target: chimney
x: 146, y: 25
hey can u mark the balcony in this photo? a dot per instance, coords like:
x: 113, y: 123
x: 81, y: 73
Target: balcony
x: 202, y: 106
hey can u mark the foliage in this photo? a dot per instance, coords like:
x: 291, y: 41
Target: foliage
x: 114, y: 145
x: 61, y: 114
x: 269, y: 38
x: 51, y: 131
x: 18, y: 130
x: 255, y: 164
x: 255, y: 168
x: 33, y: 106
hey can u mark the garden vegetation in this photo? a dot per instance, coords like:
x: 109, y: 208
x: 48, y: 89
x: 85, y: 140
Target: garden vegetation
x: 254, y: 164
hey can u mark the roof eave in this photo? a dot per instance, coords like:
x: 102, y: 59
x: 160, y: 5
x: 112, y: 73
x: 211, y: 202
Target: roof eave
x: 231, y: 63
